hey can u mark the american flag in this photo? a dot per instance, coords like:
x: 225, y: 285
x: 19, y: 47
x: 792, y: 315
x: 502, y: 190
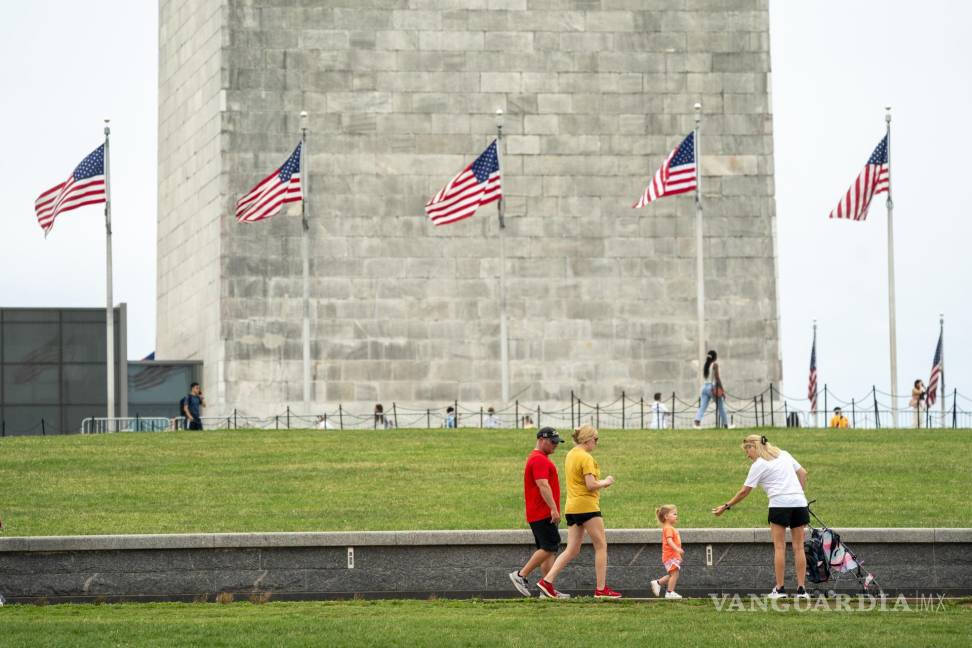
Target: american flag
x: 812, y: 387
x: 676, y: 176
x: 85, y: 186
x: 872, y: 180
x: 476, y: 185
x: 267, y: 198
x: 936, y: 372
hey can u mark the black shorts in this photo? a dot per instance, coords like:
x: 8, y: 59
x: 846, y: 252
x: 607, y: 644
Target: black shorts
x: 581, y: 518
x: 546, y: 535
x: 195, y: 424
x: 789, y: 516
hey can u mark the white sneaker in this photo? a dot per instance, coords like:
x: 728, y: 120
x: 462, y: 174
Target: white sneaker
x: 777, y: 593
x: 655, y: 588
x: 672, y: 595
x: 696, y: 424
x: 802, y: 593
x: 521, y: 584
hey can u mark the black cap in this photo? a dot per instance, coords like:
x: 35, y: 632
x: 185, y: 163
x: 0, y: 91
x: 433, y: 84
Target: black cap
x: 549, y: 433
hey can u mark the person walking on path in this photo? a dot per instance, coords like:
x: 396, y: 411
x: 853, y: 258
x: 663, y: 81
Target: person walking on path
x: 541, y: 493
x: 584, y: 486
x: 672, y: 551
x: 784, y: 481
x: 712, y: 389
x: 194, y: 402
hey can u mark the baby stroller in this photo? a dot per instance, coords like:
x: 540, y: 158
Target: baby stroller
x: 829, y: 560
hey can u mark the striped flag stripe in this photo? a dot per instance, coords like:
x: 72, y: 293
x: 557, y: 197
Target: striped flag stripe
x: 467, y: 208
x: 269, y: 199
x: 466, y: 200
x: 75, y: 195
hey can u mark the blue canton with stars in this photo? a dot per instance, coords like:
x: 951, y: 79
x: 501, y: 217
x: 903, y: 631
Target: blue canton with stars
x: 291, y: 166
x: 93, y: 165
x: 686, y: 152
x: 880, y: 154
x: 486, y: 164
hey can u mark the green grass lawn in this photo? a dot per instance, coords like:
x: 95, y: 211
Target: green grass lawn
x: 473, y: 623
x: 309, y: 480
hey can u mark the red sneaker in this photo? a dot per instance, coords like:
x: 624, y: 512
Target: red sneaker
x: 606, y: 593
x: 547, y: 589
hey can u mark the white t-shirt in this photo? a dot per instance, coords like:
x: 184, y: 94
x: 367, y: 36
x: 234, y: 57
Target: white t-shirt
x: 779, y: 479
x: 657, y: 416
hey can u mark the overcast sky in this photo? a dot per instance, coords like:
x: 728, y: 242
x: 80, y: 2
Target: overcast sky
x: 835, y: 66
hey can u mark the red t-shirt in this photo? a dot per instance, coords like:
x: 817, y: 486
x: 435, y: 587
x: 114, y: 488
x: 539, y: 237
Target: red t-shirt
x: 539, y: 466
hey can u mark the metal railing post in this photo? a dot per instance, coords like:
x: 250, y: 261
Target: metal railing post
x: 772, y: 416
x: 622, y: 409
x: 877, y: 415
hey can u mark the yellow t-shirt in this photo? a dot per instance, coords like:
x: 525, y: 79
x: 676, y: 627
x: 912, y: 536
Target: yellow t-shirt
x: 580, y: 462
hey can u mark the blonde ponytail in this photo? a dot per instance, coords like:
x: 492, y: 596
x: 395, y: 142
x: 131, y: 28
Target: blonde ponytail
x: 767, y: 450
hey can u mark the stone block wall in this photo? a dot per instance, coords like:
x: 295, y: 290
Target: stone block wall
x: 191, y: 185
x: 401, y: 95
x: 454, y: 564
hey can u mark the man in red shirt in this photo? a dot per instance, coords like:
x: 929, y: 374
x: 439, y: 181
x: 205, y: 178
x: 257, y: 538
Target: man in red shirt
x: 541, y: 492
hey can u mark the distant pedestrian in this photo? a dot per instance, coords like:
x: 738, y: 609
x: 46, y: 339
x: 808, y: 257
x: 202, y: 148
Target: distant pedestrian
x: 917, y: 399
x: 541, y: 492
x: 712, y: 389
x: 527, y: 422
x: 584, y: 485
x: 380, y: 420
x: 491, y: 421
x: 838, y: 420
x: 672, y: 551
x: 193, y: 407
x: 658, y: 414
x: 450, y: 418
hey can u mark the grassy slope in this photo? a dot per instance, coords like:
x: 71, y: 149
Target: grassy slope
x: 420, y: 479
x: 472, y: 623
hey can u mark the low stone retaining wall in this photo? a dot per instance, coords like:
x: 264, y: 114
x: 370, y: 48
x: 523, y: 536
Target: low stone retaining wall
x: 454, y: 564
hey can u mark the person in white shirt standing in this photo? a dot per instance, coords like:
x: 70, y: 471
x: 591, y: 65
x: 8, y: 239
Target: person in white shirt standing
x: 658, y: 414
x: 784, y: 481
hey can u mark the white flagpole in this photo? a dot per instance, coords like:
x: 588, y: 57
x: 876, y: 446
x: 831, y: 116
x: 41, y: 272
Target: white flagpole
x: 891, y: 307
x: 109, y: 306
x: 941, y: 377
x: 699, y: 266
x: 501, y: 210
x: 304, y: 249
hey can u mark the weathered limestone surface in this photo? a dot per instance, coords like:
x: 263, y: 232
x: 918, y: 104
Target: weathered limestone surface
x: 401, y: 95
x: 457, y: 564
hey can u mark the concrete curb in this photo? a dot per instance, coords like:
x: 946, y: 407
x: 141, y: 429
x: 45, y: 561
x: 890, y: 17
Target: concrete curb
x: 431, y: 538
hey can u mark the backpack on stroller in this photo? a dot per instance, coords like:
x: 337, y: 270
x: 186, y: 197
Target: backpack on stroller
x: 829, y: 559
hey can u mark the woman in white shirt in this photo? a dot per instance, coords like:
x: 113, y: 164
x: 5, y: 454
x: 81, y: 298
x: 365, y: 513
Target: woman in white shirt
x: 784, y: 480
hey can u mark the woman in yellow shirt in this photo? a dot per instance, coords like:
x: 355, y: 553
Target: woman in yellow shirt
x: 583, y: 513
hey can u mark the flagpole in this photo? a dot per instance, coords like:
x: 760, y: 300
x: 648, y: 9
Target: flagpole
x: 304, y: 250
x: 941, y: 379
x: 699, y: 271
x: 891, y: 307
x: 501, y: 211
x: 109, y: 307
